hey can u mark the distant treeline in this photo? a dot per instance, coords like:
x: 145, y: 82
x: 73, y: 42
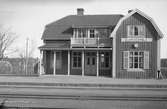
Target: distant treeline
x: 17, y: 66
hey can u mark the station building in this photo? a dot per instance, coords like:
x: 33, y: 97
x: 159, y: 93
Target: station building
x: 115, y: 45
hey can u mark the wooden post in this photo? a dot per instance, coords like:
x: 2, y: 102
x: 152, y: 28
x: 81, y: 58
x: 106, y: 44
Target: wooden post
x: 54, y: 63
x: 97, y: 59
x: 68, y: 62
x: 114, y: 58
x: 41, y: 58
x: 83, y: 60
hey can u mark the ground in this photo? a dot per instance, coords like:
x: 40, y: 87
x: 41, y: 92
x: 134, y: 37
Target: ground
x: 83, y: 92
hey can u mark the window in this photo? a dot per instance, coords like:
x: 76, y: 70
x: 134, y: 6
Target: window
x: 104, y: 60
x: 76, y: 60
x: 81, y: 32
x: 92, y: 33
x: 136, y: 60
x: 91, y: 58
x: 136, y: 30
x: 58, y: 60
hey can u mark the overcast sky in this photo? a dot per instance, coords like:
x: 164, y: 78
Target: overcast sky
x: 27, y: 18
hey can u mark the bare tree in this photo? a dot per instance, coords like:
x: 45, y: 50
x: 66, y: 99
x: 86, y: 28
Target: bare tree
x: 7, y: 37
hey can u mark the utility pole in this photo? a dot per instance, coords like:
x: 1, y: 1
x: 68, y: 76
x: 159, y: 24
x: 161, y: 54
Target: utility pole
x: 26, y: 66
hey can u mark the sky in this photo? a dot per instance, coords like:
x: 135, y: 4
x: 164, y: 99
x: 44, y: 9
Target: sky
x: 27, y: 18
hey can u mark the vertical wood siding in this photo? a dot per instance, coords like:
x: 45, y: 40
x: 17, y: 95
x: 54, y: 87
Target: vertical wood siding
x: 151, y: 47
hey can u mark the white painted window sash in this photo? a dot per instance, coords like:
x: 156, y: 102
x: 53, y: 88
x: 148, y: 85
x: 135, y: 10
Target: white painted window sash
x: 131, y: 30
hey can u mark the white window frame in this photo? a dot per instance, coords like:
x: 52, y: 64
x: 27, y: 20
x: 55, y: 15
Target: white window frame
x: 92, y: 33
x: 145, y: 61
x: 77, y: 60
x: 133, y: 60
x: 140, y: 27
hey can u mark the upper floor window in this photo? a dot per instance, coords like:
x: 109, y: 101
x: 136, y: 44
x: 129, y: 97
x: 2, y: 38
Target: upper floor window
x: 136, y: 30
x: 81, y: 32
x: 92, y: 33
x: 85, y: 33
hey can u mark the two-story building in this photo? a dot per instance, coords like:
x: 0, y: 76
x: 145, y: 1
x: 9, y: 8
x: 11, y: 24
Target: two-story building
x: 115, y: 46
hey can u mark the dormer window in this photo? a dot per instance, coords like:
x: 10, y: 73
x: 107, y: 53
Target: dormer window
x: 136, y: 31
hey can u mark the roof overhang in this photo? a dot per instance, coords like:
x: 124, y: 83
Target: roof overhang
x: 66, y: 47
x: 54, y: 47
x: 142, y: 14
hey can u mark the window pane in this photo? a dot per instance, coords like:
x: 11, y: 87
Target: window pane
x: 74, y: 64
x: 93, y: 60
x: 79, y: 53
x: 88, y: 54
x: 130, y: 29
x: 135, y: 65
x: 141, y: 30
x: 93, y: 54
x: 141, y: 53
x: 84, y: 32
x: 135, y: 59
x: 88, y: 61
x: 136, y: 53
x: 107, y: 62
x: 107, y: 54
x: 136, y: 31
x: 130, y: 65
x: 79, y: 64
x: 141, y: 65
x: 131, y: 59
x: 74, y: 53
x: 140, y: 59
x: 92, y: 35
x: 131, y: 54
x: 75, y: 59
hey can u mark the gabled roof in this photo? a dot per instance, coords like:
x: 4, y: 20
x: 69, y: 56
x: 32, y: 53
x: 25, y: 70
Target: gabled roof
x: 63, y: 28
x: 140, y: 13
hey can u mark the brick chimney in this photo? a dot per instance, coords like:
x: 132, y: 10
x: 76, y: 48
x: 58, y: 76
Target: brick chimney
x: 80, y: 11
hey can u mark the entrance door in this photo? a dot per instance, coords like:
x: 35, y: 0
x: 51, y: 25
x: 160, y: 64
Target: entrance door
x: 90, y: 63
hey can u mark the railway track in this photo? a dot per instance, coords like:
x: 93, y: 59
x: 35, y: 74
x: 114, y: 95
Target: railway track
x: 74, y: 96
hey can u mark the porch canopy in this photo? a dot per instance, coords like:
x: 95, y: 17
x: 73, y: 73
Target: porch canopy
x: 55, y: 46
x: 67, y: 47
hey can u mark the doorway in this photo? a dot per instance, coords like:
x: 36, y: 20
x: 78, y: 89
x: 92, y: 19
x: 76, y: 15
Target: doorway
x: 90, y: 64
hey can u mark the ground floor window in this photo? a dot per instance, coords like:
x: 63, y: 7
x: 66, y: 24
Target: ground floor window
x: 104, y: 59
x: 76, y: 59
x: 136, y: 60
x: 58, y: 60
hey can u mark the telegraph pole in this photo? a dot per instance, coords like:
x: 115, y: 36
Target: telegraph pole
x: 26, y: 57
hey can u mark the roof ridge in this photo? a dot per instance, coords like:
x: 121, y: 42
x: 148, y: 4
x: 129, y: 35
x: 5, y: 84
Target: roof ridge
x: 98, y: 15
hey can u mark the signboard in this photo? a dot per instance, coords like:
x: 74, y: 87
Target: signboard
x: 136, y: 39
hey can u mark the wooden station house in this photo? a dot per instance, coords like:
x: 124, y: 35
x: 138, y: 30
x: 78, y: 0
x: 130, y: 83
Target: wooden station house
x: 114, y: 45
